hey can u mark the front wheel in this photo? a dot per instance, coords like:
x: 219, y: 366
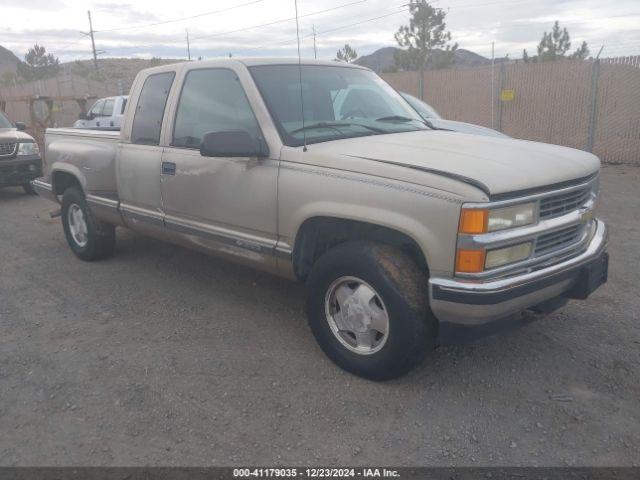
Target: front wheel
x: 368, y: 309
x: 89, y: 238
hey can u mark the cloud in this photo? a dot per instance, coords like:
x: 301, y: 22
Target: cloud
x: 512, y: 26
x: 35, y: 4
x: 126, y: 12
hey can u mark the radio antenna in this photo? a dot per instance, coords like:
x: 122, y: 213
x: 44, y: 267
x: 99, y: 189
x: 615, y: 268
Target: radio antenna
x: 304, y: 133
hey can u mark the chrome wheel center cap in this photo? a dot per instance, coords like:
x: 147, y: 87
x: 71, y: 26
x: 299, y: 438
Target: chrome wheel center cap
x: 356, y: 315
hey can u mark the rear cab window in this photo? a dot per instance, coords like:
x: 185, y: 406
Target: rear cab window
x: 147, y: 121
x: 108, y: 107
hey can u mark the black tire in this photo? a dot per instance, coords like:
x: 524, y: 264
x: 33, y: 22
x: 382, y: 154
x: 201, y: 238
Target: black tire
x: 100, y: 237
x: 28, y: 189
x: 403, y: 289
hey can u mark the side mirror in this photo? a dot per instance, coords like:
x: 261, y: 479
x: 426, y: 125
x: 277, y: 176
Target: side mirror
x: 21, y: 126
x: 236, y: 143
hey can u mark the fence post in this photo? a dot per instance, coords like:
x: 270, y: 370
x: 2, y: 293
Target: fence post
x: 595, y: 75
x: 421, y: 83
x: 503, y: 75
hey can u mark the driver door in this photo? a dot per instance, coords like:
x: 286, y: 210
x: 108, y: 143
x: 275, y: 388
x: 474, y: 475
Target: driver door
x: 219, y: 203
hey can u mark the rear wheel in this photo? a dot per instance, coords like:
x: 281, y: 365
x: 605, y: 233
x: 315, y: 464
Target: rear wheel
x: 89, y: 238
x: 368, y: 309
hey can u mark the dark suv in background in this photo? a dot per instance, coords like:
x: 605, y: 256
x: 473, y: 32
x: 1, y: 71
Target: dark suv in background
x: 20, y: 160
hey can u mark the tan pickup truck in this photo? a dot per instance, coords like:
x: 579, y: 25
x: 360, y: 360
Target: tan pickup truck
x: 323, y: 173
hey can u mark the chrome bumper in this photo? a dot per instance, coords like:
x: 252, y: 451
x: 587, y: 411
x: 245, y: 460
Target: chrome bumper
x: 44, y: 190
x: 476, y: 303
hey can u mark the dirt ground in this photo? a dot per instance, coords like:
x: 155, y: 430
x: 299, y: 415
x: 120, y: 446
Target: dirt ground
x: 163, y: 356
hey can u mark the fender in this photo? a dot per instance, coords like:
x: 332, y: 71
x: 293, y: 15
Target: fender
x: 63, y: 167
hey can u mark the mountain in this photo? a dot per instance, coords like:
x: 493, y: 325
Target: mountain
x: 8, y: 61
x: 384, y: 59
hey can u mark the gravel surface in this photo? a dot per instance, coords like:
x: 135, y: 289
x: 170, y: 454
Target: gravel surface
x: 163, y: 356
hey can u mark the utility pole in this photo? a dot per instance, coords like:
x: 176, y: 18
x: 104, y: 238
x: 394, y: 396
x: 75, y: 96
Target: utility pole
x: 422, y: 63
x: 315, y: 50
x: 188, y: 46
x: 93, y: 42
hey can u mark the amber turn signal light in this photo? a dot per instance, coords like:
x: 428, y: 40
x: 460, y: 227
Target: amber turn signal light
x: 470, y: 261
x: 473, y: 220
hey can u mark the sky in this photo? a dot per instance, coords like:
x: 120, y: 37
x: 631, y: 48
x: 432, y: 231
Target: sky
x: 153, y: 28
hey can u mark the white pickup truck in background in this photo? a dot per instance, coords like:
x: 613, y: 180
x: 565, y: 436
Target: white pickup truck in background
x: 430, y: 115
x: 106, y: 113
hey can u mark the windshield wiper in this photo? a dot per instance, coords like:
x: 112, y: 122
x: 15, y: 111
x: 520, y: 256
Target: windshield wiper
x: 403, y: 119
x: 396, y: 118
x: 400, y: 118
x: 335, y: 125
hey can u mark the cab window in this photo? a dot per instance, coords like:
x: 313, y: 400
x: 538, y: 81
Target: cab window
x: 211, y: 100
x: 147, y: 120
x: 107, y: 111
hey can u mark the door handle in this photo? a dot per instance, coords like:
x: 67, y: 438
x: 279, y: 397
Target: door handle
x: 168, y: 168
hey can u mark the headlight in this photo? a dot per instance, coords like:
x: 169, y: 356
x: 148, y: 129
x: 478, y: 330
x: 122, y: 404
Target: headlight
x: 510, y: 217
x: 504, y: 256
x: 474, y: 221
x: 28, y: 148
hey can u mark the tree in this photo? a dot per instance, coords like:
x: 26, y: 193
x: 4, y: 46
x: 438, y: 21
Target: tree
x: 555, y: 45
x: 346, y: 54
x: 582, y: 52
x: 38, y: 64
x: 425, y: 33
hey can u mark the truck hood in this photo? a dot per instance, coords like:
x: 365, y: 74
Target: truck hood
x: 496, y: 165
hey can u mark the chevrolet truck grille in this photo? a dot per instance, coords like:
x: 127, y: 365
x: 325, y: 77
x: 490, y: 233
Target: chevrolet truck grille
x: 551, y: 242
x: 558, y: 205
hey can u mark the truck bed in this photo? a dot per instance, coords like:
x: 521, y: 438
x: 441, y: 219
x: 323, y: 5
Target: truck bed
x: 87, y: 152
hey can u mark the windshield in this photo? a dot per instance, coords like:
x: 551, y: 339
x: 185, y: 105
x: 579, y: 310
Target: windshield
x: 423, y: 108
x: 4, y: 122
x: 339, y: 102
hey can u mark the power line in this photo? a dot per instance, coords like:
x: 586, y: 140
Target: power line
x: 282, y: 20
x: 192, y: 39
x: 165, y: 22
x: 294, y: 40
x: 359, y: 23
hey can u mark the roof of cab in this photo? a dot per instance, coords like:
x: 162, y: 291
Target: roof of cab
x: 248, y: 62
x: 253, y: 62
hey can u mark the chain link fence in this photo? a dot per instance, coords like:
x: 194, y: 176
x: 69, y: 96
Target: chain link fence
x: 589, y: 105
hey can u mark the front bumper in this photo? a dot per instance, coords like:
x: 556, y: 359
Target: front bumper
x: 20, y: 171
x: 473, y: 304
